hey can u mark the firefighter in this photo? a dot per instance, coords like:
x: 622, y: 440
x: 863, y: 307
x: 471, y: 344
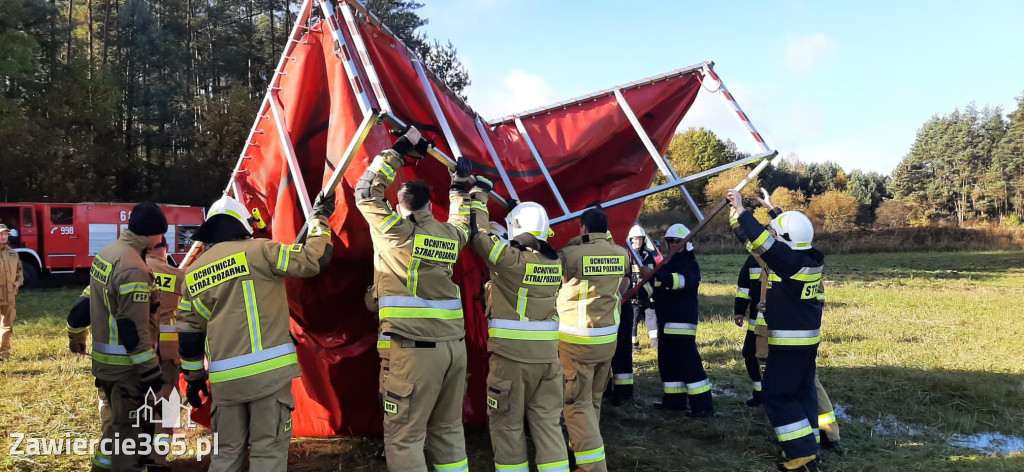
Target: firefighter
x: 165, y: 335
x: 675, y: 299
x: 793, y: 315
x: 525, y: 377
x: 11, y: 278
x: 419, y: 308
x: 78, y: 322
x: 643, y: 312
x: 827, y: 421
x: 234, y: 303
x: 594, y: 280
x: 124, y: 362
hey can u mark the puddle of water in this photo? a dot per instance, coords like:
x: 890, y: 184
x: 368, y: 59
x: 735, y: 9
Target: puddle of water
x: 723, y: 392
x: 890, y: 426
x: 990, y: 443
x: 841, y: 412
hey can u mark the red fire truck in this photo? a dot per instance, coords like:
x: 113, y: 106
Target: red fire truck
x: 64, y: 237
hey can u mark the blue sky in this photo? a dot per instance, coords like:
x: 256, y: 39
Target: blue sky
x: 849, y: 82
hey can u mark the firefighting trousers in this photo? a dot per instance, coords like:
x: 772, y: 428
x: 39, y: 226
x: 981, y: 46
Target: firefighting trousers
x: 518, y: 391
x: 750, y: 360
x: 622, y: 361
x: 102, y: 404
x: 7, y: 314
x: 126, y: 401
x: 826, y: 414
x: 422, y: 401
x: 584, y: 386
x: 646, y: 316
x: 682, y: 370
x: 264, y: 425
x: 790, y: 399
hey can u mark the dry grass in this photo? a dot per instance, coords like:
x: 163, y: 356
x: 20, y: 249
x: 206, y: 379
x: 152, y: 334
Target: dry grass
x: 918, y: 346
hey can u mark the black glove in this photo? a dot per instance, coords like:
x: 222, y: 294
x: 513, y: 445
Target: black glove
x: 324, y: 205
x: 511, y: 203
x: 412, y: 144
x: 192, y: 392
x: 154, y: 384
x: 483, y: 183
x: 462, y: 174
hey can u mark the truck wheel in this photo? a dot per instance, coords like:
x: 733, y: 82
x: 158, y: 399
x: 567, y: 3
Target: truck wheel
x: 31, y: 275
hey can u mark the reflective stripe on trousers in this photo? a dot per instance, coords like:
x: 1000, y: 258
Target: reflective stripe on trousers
x: 523, y: 330
x: 790, y: 337
x: 251, y: 364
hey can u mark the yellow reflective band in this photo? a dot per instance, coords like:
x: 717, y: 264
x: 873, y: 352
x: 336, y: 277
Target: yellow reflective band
x: 698, y: 388
x: 774, y: 278
x: 524, y: 467
x: 87, y: 291
x: 459, y: 466
x: 604, y: 265
x: 806, y: 277
x: 496, y: 250
x: 794, y: 341
x: 462, y: 229
x: 743, y: 293
x: 677, y: 281
x: 387, y: 170
x: 622, y: 379
x: 111, y: 359
x: 589, y: 340
x: 464, y: 209
x: 413, y: 277
x: 100, y: 270
x: 684, y: 329
x: 184, y: 305
x: 502, y: 333
x: 225, y: 211
x: 479, y: 206
x: 283, y: 258
x: 419, y: 312
x: 521, y: 303
x: 751, y: 328
x: 133, y: 287
x: 254, y: 369
x: 252, y: 312
x: 201, y: 309
x: 168, y: 336
x: 165, y: 282
x: 435, y: 249
x: 827, y: 418
x: 561, y: 466
x: 143, y: 356
x: 757, y: 386
x: 796, y: 434
x: 762, y: 244
x: 76, y: 330
x: 581, y: 305
x: 192, y: 365
x: 674, y: 387
x: 384, y: 344
x: 389, y: 222
x: 590, y: 457
x: 543, y: 274
x: 215, y: 273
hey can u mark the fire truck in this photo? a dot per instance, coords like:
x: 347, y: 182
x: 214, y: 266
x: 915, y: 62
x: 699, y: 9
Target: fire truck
x: 59, y: 238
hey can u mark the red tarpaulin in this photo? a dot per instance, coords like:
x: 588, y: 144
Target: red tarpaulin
x: 590, y: 148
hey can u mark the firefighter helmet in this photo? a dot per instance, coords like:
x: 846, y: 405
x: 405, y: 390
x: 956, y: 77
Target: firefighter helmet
x: 636, y: 232
x: 528, y: 217
x: 233, y: 208
x: 794, y: 229
x: 679, y: 231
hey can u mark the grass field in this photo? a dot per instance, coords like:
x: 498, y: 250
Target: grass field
x: 918, y: 347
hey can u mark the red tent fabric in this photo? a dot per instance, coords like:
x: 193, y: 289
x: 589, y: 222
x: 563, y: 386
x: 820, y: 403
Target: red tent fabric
x: 589, y: 147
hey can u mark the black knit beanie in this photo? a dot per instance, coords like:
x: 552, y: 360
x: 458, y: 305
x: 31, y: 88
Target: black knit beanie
x: 147, y: 220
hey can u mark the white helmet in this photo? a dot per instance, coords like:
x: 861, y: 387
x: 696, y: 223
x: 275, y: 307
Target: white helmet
x: 498, y: 230
x: 636, y: 232
x: 794, y: 229
x: 679, y: 231
x: 231, y: 207
x: 528, y: 217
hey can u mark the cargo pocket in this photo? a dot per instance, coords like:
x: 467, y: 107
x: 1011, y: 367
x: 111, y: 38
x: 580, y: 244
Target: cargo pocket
x: 286, y: 405
x: 497, y: 397
x: 571, y: 388
x: 397, y: 400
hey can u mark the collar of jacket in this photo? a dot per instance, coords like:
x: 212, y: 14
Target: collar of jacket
x: 588, y: 238
x: 4, y: 247
x: 420, y: 216
x: 133, y: 240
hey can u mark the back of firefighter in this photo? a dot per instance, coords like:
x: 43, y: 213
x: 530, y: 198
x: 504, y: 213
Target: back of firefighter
x: 11, y: 278
x: 525, y: 377
x: 675, y: 299
x: 165, y: 335
x: 420, y: 309
x: 643, y: 312
x: 234, y: 303
x: 793, y: 314
x: 123, y: 352
x: 589, y: 304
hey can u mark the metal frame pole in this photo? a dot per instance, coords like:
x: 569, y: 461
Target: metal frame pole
x: 289, y: 154
x: 342, y: 50
x: 732, y: 103
x: 543, y: 167
x: 436, y: 107
x: 494, y: 157
x: 364, y: 58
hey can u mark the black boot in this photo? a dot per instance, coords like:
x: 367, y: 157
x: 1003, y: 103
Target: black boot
x: 755, y: 398
x: 834, y: 446
x: 621, y: 394
x: 672, y: 402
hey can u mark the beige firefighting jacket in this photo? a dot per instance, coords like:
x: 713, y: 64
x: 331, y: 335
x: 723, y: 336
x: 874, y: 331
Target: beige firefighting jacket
x: 234, y: 295
x: 10, y: 274
x: 588, y: 303
x: 522, y: 322
x: 121, y: 286
x: 168, y: 283
x: 413, y: 258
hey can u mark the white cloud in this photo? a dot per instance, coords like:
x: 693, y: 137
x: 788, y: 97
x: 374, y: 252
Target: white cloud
x: 516, y: 92
x: 803, y: 52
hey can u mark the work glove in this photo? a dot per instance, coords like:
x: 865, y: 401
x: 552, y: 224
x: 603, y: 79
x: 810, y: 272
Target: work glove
x: 511, y: 203
x: 155, y: 384
x: 482, y: 183
x: 324, y: 205
x: 76, y: 346
x: 411, y: 144
x: 192, y: 392
x: 462, y: 175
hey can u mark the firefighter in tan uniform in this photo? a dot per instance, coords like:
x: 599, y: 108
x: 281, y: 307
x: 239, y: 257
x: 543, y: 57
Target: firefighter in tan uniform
x: 165, y: 335
x: 11, y: 278
x: 420, y: 310
x: 234, y: 302
x: 124, y: 360
x: 525, y: 378
x: 589, y: 311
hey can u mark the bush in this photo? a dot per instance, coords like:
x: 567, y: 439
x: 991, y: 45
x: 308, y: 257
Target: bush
x: 833, y: 210
x: 896, y: 214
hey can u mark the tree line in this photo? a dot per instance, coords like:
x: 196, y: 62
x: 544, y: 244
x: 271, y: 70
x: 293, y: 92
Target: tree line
x: 127, y: 100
